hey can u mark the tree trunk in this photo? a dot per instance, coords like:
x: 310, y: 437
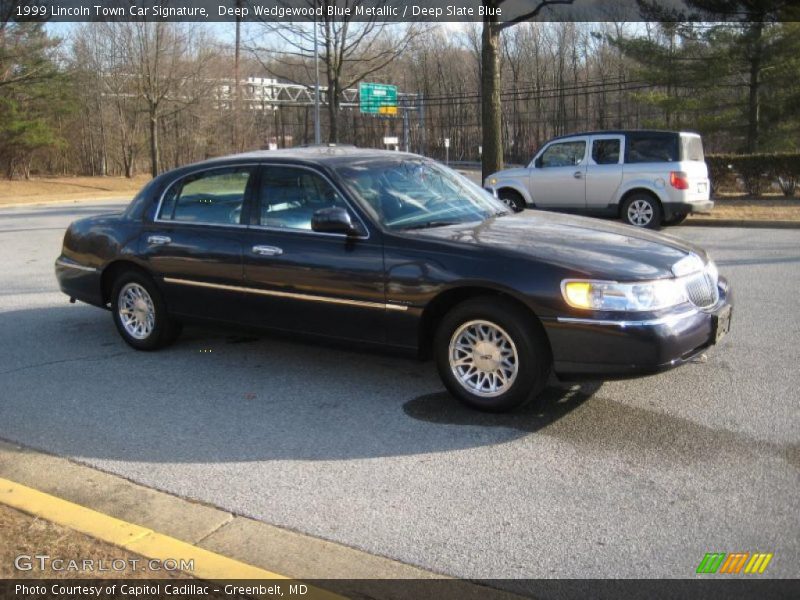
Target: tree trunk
x: 753, y: 104
x: 333, y: 110
x: 491, y: 122
x: 154, y: 158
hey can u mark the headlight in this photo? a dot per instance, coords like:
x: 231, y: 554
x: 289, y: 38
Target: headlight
x: 631, y: 297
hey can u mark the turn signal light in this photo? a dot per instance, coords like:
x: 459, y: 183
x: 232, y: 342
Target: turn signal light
x: 577, y: 293
x: 679, y: 180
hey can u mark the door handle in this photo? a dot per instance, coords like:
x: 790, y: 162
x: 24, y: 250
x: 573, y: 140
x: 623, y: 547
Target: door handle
x: 267, y: 250
x: 578, y: 174
x: 159, y: 240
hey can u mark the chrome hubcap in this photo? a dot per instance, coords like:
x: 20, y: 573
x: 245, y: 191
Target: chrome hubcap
x: 640, y: 212
x: 483, y: 358
x: 136, y: 311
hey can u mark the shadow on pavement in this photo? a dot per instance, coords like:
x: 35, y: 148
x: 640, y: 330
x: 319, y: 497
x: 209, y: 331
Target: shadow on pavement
x: 71, y: 386
x: 556, y: 401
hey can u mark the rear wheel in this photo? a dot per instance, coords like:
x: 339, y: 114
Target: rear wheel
x: 512, y: 199
x: 140, y: 314
x: 642, y: 210
x: 492, y: 355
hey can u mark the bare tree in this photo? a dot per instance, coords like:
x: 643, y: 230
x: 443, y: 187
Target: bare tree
x: 491, y: 109
x: 166, y: 62
x: 349, y: 50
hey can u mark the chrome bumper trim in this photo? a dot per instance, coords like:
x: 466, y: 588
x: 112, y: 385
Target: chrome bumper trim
x: 667, y: 320
x: 70, y: 265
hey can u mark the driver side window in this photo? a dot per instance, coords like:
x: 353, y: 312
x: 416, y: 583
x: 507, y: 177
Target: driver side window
x: 563, y: 154
x: 290, y: 196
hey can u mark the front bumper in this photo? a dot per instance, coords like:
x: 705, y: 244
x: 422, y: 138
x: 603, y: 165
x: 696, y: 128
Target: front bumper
x: 594, y: 348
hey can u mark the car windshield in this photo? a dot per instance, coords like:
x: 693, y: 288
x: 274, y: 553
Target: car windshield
x: 409, y: 193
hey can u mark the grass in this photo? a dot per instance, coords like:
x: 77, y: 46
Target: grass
x: 769, y: 208
x: 49, y: 189
x: 26, y: 535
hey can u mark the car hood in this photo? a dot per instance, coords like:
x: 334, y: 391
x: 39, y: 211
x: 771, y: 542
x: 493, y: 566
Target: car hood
x: 588, y: 247
x: 509, y: 174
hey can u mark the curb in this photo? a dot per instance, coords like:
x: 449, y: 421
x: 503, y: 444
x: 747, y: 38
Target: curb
x: 138, y: 516
x: 741, y: 223
x: 145, y: 542
x: 120, y: 198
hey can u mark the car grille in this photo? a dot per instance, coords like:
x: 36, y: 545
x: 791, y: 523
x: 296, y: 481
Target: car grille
x: 702, y: 289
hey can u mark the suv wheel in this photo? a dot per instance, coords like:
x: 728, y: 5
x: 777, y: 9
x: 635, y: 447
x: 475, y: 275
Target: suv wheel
x: 492, y: 355
x: 512, y: 199
x: 140, y: 313
x: 642, y: 210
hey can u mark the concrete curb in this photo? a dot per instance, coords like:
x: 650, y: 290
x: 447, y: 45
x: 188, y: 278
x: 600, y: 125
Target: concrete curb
x: 741, y: 223
x: 120, y: 198
x: 172, y: 525
x: 208, y: 566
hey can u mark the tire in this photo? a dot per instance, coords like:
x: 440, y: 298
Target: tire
x: 148, y: 325
x: 642, y: 210
x: 503, y: 328
x: 676, y: 220
x: 512, y: 199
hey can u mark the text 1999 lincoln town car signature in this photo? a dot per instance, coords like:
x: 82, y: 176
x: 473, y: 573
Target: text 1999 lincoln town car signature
x: 394, y: 249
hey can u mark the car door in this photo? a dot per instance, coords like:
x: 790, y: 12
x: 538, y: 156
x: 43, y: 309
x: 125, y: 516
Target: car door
x: 302, y: 280
x: 194, y: 245
x: 557, y: 179
x: 604, y: 172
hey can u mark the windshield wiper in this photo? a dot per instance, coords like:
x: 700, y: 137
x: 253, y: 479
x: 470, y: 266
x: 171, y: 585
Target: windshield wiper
x: 429, y: 224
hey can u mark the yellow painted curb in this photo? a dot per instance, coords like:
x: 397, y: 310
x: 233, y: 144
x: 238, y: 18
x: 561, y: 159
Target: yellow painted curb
x: 208, y: 565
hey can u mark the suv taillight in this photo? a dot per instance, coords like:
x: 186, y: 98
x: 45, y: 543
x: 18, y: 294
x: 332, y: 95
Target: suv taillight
x: 679, y: 180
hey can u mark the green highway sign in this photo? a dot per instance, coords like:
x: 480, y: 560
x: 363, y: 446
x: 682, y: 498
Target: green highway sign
x: 377, y: 98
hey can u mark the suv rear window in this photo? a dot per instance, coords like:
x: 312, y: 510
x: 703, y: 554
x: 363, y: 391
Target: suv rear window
x: 647, y: 148
x: 692, y: 148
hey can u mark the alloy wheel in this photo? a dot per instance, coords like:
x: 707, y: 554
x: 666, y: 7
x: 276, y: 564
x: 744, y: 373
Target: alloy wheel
x: 483, y: 358
x: 640, y: 213
x: 137, y: 312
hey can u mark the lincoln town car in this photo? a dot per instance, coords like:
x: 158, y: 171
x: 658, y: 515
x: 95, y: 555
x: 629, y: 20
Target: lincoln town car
x: 392, y: 249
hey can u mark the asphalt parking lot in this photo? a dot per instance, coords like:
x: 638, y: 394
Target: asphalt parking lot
x: 622, y: 479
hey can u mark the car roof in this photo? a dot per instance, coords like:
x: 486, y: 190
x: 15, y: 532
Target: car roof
x: 324, y: 154
x: 623, y: 132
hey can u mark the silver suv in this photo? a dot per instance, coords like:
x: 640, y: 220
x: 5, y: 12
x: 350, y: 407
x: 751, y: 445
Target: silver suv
x: 646, y: 178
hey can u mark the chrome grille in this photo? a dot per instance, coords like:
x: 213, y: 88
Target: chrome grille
x: 702, y: 289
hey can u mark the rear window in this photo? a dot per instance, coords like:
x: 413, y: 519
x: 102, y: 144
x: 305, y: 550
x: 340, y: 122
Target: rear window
x: 644, y: 148
x: 692, y: 148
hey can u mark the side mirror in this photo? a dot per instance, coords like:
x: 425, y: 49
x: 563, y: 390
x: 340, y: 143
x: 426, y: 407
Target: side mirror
x: 333, y: 220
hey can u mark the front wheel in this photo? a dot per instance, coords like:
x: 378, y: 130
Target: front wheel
x: 512, y: 200
x: 642, y: 210
x: 140, y: 314
x: 492, y: 355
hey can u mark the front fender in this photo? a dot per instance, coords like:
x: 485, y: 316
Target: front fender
x: 521, y: 189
